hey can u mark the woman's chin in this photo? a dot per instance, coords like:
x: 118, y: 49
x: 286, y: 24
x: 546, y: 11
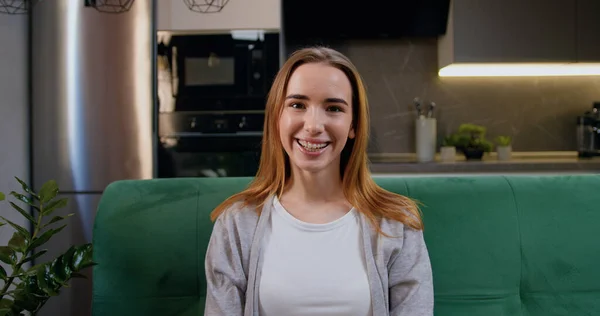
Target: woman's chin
x: 312, y: 164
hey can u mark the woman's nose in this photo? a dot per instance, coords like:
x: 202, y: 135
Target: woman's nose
x: 313, y: 121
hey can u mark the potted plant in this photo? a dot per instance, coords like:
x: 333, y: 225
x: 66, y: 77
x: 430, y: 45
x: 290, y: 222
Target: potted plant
x: 28, y: 289
x: 448, y: 148
x: 504, y: 148
x: 472, y: 142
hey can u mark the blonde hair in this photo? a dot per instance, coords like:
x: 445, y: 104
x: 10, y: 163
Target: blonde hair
x: 358, y: 186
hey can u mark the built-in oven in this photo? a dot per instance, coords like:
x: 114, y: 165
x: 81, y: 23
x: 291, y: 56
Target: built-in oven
x: 212, y: 91
x: 210, y: 144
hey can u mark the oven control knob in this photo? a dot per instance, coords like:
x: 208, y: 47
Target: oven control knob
x: 243, y: 122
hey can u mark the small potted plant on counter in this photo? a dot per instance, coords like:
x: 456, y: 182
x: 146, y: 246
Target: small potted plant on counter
x: 448, y: 148
x: 472, y: 142
x: 503, y: 147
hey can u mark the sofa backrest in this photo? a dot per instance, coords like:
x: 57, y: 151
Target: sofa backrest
x: 499, y: 245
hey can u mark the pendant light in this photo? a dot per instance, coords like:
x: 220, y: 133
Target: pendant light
x: 15, y: 6
x: 206, y: 6
x: 109, y: 6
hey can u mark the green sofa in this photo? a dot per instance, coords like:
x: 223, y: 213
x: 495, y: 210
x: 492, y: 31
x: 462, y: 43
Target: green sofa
x: 499, y: 245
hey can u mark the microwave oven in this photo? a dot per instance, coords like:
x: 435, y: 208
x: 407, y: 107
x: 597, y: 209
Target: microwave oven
x: 238, y: 65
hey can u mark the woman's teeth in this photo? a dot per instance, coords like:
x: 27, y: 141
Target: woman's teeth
x: 312, y: 146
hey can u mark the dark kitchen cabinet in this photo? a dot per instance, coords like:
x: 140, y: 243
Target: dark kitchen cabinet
x: 588, y: 30
x: 517, y: 31
x: 513, y: 31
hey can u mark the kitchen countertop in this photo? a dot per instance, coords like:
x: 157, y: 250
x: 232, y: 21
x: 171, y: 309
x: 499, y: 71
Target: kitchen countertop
x: 521, y: 162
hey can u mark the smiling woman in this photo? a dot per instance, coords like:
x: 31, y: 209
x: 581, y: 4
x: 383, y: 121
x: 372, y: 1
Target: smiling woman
x: 302, y: 239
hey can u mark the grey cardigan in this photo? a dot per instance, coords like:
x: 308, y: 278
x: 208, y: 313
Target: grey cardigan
x: 399, y: 270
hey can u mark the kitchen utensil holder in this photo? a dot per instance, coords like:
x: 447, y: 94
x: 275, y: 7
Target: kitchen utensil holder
x: 425, y: 132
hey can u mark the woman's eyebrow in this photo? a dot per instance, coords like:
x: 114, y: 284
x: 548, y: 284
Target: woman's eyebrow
x: 327, y: 100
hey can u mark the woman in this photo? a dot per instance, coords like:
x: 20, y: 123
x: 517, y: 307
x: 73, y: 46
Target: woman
x: 313, y: 234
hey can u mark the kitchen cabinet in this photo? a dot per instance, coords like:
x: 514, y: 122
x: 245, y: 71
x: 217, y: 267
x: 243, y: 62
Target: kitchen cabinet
x: 516, y: 31
x: 588, y: 30
x: 174, y: 15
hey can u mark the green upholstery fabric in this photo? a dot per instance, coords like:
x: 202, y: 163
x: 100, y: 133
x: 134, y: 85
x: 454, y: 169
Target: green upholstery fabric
x: 499, y: 245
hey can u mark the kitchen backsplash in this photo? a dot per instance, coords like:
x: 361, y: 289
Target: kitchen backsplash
x: 538, y: 112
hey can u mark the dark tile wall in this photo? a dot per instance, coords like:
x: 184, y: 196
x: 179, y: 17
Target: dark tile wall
x: 538, y: 112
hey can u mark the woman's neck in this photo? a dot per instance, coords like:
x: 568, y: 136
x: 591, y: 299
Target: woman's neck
x: 315, y: 187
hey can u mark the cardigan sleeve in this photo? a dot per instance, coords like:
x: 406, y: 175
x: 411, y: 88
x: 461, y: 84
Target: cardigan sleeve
x: 410, y: 277
x: 225, y: 277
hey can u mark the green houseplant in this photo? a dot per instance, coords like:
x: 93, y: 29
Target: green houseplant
x: 471, y: 141
x: 504, y: 147
x: 27, y: 290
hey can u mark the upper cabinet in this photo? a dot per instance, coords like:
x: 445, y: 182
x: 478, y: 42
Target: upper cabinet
x: 174, y: 15
x: 517, y: 31
x: 588, y: 30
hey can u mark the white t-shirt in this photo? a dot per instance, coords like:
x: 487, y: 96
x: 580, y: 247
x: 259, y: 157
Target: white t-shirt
x: 313, y: 269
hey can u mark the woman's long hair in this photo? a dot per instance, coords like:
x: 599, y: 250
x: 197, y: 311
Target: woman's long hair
x: 359, y: 188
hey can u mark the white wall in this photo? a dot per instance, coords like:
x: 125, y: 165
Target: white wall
x: 14, y: 132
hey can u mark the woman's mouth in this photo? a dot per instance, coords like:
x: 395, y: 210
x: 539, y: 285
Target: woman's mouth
x: 312, y: 147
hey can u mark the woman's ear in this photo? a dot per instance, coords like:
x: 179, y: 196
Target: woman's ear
x: 351, y: 134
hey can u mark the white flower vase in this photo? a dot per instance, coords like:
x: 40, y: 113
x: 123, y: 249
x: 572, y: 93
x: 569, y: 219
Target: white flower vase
x: 448, y: 153
x: 504, y: 153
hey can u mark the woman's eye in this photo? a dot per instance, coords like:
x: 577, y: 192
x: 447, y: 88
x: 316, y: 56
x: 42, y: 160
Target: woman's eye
x: 335, y: 109
x: 296, y: 105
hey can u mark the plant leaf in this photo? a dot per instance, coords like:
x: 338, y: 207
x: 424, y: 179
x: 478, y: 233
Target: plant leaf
x: 20, y: 229
x: 52, y: 206
x: 38, y: 241
x: 57, y: 219
x: 17, y: 242
x: 26, y: 188
x: 2, y: 196
x: 5, y: 306
x: 5, y: 303
x: 7, y: 255
x: 23, y: 212
x: 28, y: 294
x: 83, y: 257
x: 23, y: 198
x: 33, y: 270
x: 48, y: 191
x: 77, y: 275
x: 42, y: 275
x: 62, y: 269
x: 2, y: 274
x: 36, y: 255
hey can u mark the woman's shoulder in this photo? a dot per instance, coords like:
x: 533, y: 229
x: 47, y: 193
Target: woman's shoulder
x: 240, y: 213
x: 393, y: 225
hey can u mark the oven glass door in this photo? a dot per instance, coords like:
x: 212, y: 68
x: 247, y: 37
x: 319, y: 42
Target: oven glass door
x: 209, y: 156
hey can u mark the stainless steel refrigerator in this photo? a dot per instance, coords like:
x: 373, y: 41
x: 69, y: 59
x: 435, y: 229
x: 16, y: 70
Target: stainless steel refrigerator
x: 92, y: 94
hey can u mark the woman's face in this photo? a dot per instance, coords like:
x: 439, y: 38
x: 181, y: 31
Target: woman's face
x: 316, y: 120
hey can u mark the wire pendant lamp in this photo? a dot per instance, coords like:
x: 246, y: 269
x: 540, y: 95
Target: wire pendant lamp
x: 206, y: 6
x: 110, y: 6
x: 15, y: 6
